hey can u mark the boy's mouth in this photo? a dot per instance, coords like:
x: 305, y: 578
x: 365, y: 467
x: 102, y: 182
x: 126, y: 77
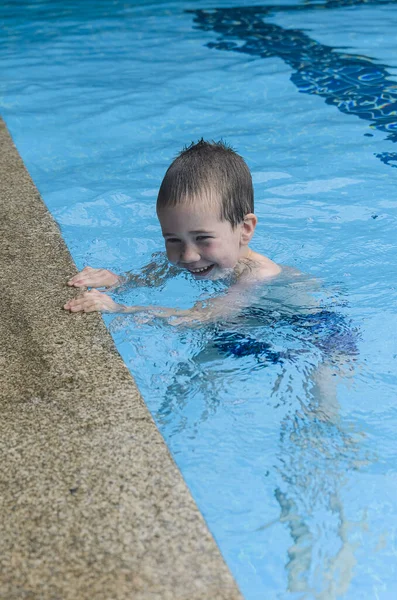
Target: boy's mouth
x: 202, y: 271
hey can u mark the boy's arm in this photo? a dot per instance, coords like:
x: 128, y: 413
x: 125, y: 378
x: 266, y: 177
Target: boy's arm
x: 221, y: 307
x: 153, y: 274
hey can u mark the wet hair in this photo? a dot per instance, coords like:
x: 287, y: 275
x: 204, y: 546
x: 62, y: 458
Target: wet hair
x: 209, y: 172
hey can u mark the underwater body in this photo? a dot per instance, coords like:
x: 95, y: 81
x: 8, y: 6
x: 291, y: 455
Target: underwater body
x: 219, y: 389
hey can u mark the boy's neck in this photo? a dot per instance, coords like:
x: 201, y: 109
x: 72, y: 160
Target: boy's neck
x: 246, y: 253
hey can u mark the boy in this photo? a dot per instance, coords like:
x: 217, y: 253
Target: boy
x: 205, y: 207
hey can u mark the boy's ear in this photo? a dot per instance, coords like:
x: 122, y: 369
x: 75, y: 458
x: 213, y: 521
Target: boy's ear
x: 248, y: 228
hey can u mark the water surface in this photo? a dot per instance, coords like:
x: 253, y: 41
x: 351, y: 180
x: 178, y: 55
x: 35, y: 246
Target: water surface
x: 288, y: 446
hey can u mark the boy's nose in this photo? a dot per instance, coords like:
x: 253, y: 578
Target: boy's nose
x: 189, y: 255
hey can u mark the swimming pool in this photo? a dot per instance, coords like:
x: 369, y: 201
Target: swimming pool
x: 99, y: 98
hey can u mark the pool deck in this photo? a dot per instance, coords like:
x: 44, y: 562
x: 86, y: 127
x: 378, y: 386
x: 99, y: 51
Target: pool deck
x: 92, y: 505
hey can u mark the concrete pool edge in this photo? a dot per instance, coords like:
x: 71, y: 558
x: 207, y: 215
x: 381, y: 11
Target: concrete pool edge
x: 93, y: 505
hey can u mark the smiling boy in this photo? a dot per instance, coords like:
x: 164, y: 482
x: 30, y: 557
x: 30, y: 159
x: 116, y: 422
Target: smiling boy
x: 205, y: 207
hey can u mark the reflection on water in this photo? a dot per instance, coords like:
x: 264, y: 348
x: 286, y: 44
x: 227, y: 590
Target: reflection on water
x: 274, y: 367
x: 353, y: 83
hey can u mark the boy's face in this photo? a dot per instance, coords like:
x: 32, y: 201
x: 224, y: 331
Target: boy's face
x: 197, y: 240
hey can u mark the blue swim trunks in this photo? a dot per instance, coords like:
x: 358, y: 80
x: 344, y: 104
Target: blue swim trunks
x: 329, y: 331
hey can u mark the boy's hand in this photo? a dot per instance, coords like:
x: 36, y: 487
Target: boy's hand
x: 93, y: 301
x: 95, y: 278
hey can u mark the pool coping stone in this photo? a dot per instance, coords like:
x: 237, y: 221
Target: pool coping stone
x: 92, y: 503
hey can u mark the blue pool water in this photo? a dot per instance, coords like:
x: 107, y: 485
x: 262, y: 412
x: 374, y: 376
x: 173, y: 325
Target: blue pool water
x: 283, y: 422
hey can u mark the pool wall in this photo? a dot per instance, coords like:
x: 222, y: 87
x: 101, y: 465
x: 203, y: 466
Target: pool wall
x: 93, y: 505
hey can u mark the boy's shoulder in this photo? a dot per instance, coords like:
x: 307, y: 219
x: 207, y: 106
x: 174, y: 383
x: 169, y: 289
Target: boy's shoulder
x: 259, y: 268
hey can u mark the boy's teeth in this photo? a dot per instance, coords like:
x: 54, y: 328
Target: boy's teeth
x: 199, y: 270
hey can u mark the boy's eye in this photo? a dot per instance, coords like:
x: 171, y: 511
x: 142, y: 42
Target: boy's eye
x: 203, y: 237
x: 172, y: 240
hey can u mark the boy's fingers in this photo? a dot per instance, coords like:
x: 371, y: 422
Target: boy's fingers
x: 87, y: 281
x: 77, y: 283
x: 74, y: 306
x: 80, y: 277
x: 88, y: 302
x: 76, y: 280
x: 82, y: 307
x: 92, y: 278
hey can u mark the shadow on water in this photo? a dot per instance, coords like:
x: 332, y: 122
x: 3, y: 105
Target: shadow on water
x: 355, y: 84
